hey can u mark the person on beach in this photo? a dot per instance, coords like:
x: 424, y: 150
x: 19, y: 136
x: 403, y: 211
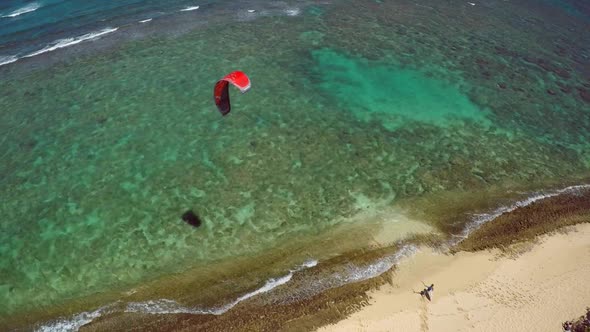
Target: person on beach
x: 428, y: 289
x: 426, y: 292
x: 423, y: 293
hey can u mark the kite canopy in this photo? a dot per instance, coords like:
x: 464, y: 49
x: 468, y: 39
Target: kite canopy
x: 221, y: 90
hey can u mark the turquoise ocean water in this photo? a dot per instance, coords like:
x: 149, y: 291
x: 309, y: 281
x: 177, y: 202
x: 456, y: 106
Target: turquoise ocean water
x: 108, y: 130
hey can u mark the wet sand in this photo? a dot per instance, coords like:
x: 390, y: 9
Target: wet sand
x: 534, y: 288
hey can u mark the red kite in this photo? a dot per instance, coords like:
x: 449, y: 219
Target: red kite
x: 221, y: 90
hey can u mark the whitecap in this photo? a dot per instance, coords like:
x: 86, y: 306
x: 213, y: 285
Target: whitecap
x: 23, y: 10
x: 4, y: 60
x: 74, y: 323
x: 352, y: 273
x: 188, y: 9
x: 61, y: 43
x: 163, y: 306
x: 292, y: 11
x: 166, y: 306
x: 359, y: 273
x: 146, y: 20
x: 482, y: 218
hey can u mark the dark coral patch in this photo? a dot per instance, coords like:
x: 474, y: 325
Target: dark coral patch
x: 191, y: 218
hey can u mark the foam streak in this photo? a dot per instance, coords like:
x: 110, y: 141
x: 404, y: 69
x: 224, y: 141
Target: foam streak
x: 61, y: 43
x: 480, y: 219
x: 4, y: 60
x: 165, y: 306
x: 26, y: 9
x: 188, y: 9
x: 77, y: 321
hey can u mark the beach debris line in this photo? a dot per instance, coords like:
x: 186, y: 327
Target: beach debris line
x: 221, y: 89
x: 191, y: 218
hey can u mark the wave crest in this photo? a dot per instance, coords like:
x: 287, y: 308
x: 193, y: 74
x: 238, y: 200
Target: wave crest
x: 23, y: 10
x: 61, y: 43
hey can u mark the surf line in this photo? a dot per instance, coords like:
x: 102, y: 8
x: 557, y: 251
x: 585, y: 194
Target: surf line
x: 26, y: 9
x: 4, y: 60
x: 164, y: 306
x: 482, y: 218
x: 57, y: 44
x: 61, y: 43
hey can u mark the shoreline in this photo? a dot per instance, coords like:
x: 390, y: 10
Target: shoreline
x: 535, y: 287
x: 340, y: 299
x: 344, y: 297
x: 205, y: 289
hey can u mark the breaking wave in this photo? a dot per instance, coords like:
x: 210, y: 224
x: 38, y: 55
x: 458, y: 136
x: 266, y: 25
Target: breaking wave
x: 164, y: 306
x: 4, y: 60
x: 350, y: 274
x: 74, y: 323
x: 482, y: 218
x: 61, y: 43
x: 57, y: 44
x: 188, y: 9
x: 23, y: 10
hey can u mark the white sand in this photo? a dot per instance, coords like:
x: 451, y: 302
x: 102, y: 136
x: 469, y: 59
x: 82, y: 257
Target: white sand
x: 535, y: 291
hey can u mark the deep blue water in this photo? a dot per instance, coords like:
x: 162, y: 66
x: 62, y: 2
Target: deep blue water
x: 27, y: 26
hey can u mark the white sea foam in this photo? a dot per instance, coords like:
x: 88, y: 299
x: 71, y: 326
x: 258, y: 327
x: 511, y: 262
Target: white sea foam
x: 74, y: 323
x: 23, y: 10
x: 355, y: 273
x: 61, y: 43
x: 352, y: 273
x: 145, y: 21
x: 188, y: 9
x: 4, y: 60
x: 165, y: 306
x: 292, y: 11
x: 479, y: 219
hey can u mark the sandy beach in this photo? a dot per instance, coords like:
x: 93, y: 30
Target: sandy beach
x: 535, y: 289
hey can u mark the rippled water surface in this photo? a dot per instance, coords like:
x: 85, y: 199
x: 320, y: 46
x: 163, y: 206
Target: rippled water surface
x: 355, y: 105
